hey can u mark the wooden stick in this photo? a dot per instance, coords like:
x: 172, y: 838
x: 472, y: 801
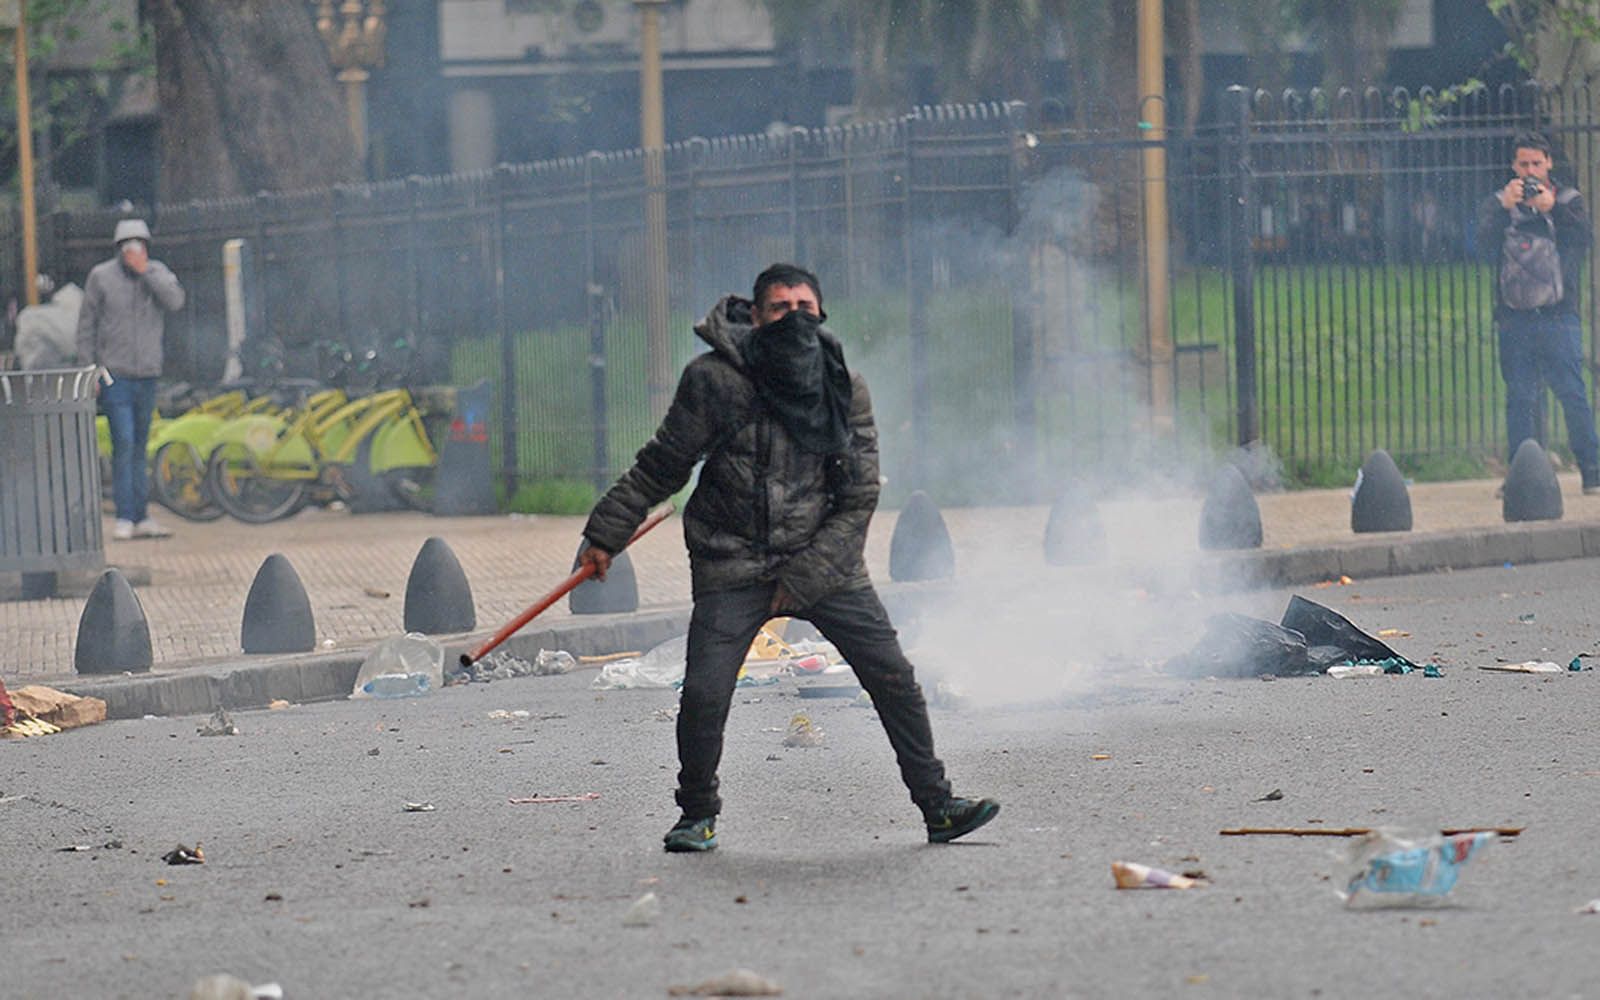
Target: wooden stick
x: 1351, y: 831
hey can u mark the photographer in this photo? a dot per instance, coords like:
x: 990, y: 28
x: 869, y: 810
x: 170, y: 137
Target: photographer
x: 1541, y: 232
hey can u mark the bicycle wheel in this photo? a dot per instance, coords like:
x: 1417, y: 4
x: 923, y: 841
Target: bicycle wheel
x: 178, y: 482
x: 249, y: 492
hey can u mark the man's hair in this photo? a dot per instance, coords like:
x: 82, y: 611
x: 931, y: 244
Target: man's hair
x: 1533, y: 140
x: 787, y: 275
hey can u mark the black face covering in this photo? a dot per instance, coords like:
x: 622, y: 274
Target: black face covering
x: 803, y: 381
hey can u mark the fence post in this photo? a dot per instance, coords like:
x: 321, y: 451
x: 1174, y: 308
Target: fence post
x: 508, y: 354
x: 595, y: 300
x: 340, y: 277
x: 260, y: 313
x: 797, y: 246
x: 414, y: 261
x: 1241, y: 262
x: 916, y: 316
x: 1024, y: 361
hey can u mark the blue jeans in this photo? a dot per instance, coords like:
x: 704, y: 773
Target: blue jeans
x: 1540, y: 350
x: 128, y: 404
x: 720, y: 630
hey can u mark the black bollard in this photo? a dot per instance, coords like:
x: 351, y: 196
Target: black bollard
x: 1230, y: 517
x: 1074, y: 534
x: 618, y: 593
x: 1531, y: 491
x: 920, y: 548
x: 277, y: 612
x: 1381, y: 502
x: 113, y: 634
x: 438, y: 597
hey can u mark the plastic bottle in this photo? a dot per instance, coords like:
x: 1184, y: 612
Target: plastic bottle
x: 397, y: 685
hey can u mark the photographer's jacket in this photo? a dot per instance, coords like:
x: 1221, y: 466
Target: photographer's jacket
x: 1573, y: 237
x: 120, y: 322
x: 765, y: 508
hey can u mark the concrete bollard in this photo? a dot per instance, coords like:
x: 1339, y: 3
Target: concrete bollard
x: 1531, y: 491
x: 438, y: 597
x: 113, y: 633
x: 920, y: 548
x: 1074, y: 534
x: 277, y: 612
x: 1230, y: 517
x: 618, y: 593
x: 1381, y: 502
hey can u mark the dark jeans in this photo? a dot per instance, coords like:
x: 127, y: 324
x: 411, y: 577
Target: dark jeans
x: 1535, y: 350
x: 128, y: 404
x: 720, y: 630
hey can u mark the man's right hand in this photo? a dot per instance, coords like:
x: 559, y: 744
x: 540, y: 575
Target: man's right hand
x: 599, y: 559
x: 1511, y: 194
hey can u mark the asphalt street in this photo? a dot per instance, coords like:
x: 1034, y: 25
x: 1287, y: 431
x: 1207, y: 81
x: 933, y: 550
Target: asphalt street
x: 316, y: 877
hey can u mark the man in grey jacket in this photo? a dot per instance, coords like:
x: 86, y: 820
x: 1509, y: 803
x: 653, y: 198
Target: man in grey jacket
x: 776, y: 526
x: 119, y: 329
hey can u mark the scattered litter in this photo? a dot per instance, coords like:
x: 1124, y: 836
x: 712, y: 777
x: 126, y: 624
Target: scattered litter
x: 829, y: 690
x: 661, y: 667
x: 1273, y: 796
x: 1432, y: 670
x: 1393, y: 871
x: 375, y: 592
x: 221, y: 724
x: 1592, y: 906
x: 1355, y: 670
x: 278, y: 704
x: 401, y: 666
x: 1343, y: 581
x: 802, y: 732
x: 1353, y: 831
x: 8, y: 711
x: 1526, y: 619
x: 226, y: 987
x: 669, y: 714
x: 418, y: 807
x: 182, y: 855
x: 738, y: 983
x: 516, y: 714
x: 539, y: 800
x: 75, y: 848
x: 1576, y: 665
x: 1526, y: 667
x: 52, y: 711
x: 600, y: 658
x: 1130, y: 875
x: 643, y: 912
x: 1392, y: 633
x: 1099, y: 756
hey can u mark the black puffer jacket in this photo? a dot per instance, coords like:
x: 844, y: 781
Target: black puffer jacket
x: 764, y: 509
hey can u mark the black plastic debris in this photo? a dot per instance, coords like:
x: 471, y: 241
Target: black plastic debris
x: 1324, y: 627
x: 182, y: 855
x: 1310, y: 639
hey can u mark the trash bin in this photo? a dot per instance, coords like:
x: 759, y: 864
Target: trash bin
x: 49, y: 477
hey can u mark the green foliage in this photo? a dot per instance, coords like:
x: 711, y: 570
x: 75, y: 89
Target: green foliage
x: 1428, y: 111
x: 1528, y: 22
x: 552, y: 496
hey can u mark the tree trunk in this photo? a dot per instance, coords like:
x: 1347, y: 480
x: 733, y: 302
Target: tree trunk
x: 248, y: 99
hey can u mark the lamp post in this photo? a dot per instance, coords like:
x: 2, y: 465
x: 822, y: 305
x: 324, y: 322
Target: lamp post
x: 354, y: 38
x: 652, y: 137
x: 13, y: 15
x: 1153, y: 119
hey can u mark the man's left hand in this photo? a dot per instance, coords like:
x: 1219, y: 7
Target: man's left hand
x: 1545, y: 200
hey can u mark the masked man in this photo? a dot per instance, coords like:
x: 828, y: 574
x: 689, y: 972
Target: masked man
x: 776, y: 526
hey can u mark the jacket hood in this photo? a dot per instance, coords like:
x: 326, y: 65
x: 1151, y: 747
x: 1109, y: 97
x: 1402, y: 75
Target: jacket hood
x: 729, y: 322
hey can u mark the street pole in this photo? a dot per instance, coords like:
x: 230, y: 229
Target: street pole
x: 354, y: 34
x: 652, y: 135
x: 30, y: 234
x: 1153, y: 122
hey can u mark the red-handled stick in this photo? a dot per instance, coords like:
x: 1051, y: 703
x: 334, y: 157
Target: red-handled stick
x: 579, y: 575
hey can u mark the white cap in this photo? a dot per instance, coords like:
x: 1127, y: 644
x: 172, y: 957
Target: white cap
x: 131, y: 229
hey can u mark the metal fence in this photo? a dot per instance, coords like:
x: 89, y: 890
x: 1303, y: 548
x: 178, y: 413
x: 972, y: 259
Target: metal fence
x: 1326, y: 295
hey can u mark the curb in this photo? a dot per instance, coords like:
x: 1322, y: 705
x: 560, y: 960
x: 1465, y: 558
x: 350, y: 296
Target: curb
x: 255, y: 682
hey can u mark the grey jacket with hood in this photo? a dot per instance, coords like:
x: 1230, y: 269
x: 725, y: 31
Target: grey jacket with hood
x: 120, y: 322
x: 764, y: 509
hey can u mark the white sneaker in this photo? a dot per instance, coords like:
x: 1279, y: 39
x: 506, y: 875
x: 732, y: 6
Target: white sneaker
x: 122, y: 530
x: 149, y: 528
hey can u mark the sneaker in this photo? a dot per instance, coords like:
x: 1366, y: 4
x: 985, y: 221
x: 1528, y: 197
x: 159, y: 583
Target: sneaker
x: 690, y: 834
x: 958, y: 817
x: 122, y: 530
x: 149, y: 528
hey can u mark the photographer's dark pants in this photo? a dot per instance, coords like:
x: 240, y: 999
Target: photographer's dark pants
x: 1538, y: 349
x: 720, y: 631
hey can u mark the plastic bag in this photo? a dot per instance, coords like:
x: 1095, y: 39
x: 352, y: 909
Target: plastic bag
x: 400, y: 666
x: 661, y: 667
x: 1395, y: 871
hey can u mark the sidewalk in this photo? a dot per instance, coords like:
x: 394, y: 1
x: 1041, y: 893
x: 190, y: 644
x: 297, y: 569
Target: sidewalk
x: 355, y: 568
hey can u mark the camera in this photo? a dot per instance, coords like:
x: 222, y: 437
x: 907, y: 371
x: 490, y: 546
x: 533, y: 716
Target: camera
x: 1531, y: 188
